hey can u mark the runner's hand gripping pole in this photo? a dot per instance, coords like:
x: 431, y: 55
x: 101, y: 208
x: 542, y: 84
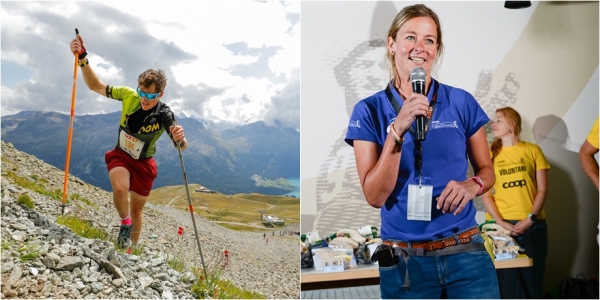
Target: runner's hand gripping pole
x: 187, y: 190
x: 68, y: 156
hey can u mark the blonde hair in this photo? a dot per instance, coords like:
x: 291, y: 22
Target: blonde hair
x: 411, y: 12
x: 514, y: 119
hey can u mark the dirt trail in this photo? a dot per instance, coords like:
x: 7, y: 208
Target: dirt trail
x: 185, y: 218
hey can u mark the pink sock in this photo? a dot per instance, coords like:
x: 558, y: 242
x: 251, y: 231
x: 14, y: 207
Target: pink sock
x: 126, y: 221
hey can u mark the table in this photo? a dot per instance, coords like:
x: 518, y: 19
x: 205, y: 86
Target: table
x: 522, y: 261
x: 311, y: 279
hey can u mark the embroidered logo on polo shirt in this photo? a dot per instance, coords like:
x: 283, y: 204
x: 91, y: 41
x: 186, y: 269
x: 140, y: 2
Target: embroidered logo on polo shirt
x: 354, y: 124
x: 438, y: 125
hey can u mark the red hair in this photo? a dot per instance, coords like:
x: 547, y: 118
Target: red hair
x: 514, y: 120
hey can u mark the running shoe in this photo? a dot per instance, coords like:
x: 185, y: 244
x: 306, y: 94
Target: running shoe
x: 124, y: 239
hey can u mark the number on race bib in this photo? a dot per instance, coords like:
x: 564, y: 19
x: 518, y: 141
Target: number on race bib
x: 130, y: 144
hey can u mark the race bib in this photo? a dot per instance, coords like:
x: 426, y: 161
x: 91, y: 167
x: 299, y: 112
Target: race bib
x: 130, y: 144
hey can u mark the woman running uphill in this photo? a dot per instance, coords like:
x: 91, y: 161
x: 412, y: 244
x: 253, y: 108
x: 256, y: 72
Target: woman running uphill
x: 144, y: 118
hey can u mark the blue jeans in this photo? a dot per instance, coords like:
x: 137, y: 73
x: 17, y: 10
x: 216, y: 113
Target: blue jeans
x: 462, y: 275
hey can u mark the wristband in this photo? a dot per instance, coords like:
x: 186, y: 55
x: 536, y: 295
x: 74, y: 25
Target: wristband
x: 85, y: 63
x: 479, y: 182
x: 399, y: 140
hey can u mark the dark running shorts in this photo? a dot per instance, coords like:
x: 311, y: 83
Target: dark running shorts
x: 142, y: 172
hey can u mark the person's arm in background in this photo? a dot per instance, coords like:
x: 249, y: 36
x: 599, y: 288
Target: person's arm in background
x: 89, y: 76
x: 588, y: 161
x: 541, y: 177
x: 490, y: 206
x: 455, y: 196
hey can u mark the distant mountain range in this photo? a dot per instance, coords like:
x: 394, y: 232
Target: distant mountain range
x: 216, y: 126
x: 220, y: 160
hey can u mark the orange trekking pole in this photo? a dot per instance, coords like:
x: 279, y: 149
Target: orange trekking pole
x: 64, y: 198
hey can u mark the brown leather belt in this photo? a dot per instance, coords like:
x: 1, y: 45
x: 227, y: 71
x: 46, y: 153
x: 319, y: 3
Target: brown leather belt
x: 464, y: 238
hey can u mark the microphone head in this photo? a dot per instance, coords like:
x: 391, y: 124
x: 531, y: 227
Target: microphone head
x: 418, y: 74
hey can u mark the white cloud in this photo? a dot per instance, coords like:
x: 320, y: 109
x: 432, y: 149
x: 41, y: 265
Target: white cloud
x: 105, y: 69
x: 8, y: 93
x: 18, y: 57
x: 192, y: 41
x: 285, y: 60
x: 207, y: 28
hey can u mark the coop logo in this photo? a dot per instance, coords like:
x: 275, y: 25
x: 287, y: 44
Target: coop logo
x: 131, y: 138
x: 512, y: 184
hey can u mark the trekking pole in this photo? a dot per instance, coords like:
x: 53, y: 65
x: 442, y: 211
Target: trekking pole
x: 187, y: 190
x: 64, y: 198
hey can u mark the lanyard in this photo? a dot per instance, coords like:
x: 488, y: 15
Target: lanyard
x: 418, y: 152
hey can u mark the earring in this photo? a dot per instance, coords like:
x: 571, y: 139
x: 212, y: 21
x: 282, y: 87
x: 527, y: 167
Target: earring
x: 511, y: 130
x: 392, y: 52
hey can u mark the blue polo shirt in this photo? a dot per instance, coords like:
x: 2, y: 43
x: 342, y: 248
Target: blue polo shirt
x: 456, y: 117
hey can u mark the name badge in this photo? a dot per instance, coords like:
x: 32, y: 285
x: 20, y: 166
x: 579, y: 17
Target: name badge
x: 130, y: 144
x: 419, y: 202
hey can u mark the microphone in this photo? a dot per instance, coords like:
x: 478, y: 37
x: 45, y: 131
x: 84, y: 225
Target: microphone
x: 418, y: 78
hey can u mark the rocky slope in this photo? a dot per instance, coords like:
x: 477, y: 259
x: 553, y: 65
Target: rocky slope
x: 69, y: 266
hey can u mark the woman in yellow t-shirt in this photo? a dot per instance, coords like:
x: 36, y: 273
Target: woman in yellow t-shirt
x: 517, y: 203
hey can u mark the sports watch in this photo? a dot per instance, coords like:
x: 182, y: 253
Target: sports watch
x: 532, y: 217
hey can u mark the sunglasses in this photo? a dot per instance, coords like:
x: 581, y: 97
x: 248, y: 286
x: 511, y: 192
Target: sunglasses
x: 148, y: 96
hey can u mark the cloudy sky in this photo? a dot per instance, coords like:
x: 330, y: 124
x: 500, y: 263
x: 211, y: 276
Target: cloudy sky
x: 236, y: 61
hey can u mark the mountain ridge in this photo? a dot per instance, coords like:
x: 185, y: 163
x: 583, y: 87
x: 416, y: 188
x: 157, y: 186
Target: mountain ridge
x: 221, y: 160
